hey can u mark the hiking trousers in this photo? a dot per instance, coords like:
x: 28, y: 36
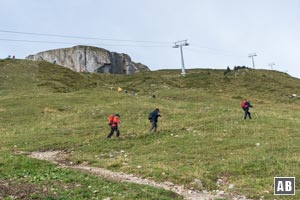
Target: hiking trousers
x: 112, y: 130
x: 247, y: 113
x: 153, y: 126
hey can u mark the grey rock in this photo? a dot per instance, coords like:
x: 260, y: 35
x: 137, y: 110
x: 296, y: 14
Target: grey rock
x: 231, y: 186
x: 90, y: 59
x: 198, y: 184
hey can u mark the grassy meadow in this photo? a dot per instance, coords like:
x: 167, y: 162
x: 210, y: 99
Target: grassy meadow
x: 201, y: 134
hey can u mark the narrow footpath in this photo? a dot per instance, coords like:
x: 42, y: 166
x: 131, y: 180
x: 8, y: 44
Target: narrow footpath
x: 58, y: 157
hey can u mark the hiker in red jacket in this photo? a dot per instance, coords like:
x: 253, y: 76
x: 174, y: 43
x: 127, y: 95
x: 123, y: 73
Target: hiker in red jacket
x: 245, y: 106
x: 114, y: 121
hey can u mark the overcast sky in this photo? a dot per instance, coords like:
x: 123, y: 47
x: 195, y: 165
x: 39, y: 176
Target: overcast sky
x: 221, y: 33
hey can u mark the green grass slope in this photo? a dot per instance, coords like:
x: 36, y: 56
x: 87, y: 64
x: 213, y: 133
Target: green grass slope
x: 201, y: 135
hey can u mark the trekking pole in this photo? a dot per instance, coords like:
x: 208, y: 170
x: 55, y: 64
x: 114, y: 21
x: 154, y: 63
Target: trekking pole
x: 255, y: 114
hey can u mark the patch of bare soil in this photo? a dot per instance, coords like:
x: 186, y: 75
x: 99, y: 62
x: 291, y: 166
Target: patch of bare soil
x: 20, y: 190
x: 59, y: 158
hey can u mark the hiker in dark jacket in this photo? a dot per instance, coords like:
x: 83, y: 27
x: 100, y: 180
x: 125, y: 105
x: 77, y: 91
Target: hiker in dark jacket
x: 153, y: 118
x: 246, y: 109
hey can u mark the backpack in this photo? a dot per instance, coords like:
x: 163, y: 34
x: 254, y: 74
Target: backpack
x: 243, y: 104
x: 110, y: 120
x: 150, y: 116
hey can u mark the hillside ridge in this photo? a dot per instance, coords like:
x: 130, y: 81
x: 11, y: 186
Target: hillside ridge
x: 235, y: 84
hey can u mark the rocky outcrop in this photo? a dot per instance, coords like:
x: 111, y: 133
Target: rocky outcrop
x: 90, y: 59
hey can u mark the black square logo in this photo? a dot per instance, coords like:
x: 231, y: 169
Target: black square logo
x: 284, y: 185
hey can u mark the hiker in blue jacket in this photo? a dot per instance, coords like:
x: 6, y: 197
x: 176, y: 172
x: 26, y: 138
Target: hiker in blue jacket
x: 246, y: 109
x: 153, y: 118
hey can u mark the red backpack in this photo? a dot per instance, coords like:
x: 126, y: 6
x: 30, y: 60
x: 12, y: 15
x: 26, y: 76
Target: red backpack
x: 110, y: 120
x: 243, y: 104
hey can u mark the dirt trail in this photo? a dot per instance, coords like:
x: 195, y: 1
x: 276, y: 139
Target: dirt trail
x: 58, y: 157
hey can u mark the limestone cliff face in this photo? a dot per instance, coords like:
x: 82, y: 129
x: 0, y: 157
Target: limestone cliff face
x: 90, y: 59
